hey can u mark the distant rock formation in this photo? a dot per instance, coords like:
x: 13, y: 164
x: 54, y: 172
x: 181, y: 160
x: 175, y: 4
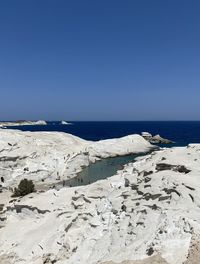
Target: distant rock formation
x: 65, y: 123
x: 23, y: 123
x: 157, y: 139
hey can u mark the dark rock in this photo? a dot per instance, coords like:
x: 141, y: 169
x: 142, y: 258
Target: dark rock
x: 150, y: 251
x: 178, y: 168
x: 163, y: 198
x: 140, y: 223
x: 127, y: 183
x: 169, y: 191
x: 157, y: 139
x: 148, y: 196
x: 190, y: 188
x: 146, y: 173
x: 147, y: 179
x: 147, y: 185
x: 192, y: 198
x: 114, y: 211
x: 19, y: 208
x: 123, y: 208
x: 134, y: 187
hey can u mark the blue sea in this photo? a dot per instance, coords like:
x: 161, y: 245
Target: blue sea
x: 182, y: 132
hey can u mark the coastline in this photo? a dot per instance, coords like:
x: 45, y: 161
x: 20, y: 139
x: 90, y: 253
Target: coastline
x: 55, y: 156
x: 136, y: 204
x: 22, y: 123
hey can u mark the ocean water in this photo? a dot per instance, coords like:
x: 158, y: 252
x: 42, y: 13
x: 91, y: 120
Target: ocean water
x: 182, y: 132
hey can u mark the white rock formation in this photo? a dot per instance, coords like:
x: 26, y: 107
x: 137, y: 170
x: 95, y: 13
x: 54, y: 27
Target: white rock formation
x: 150, y: 208
x: 146, y: 134
x: 49, y: 156
x: 157, y: 139
x: 22, y: 123
x: 65, y: 123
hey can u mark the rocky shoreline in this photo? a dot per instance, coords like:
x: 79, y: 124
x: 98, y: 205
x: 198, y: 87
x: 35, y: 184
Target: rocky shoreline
x: 22, y: 123
x: 148, y: 213
x: 157, y: 139
x: 49, y: 157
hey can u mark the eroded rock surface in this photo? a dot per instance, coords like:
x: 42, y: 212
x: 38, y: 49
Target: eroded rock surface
x: 157, y: 139
x: 47, y: 157
x: 139, y: 215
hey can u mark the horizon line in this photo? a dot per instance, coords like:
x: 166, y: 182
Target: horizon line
x: 67, y: 120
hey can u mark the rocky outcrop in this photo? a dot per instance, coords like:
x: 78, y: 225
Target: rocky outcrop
x: 49, y: 157
x: 143, y: 214
x: 65, y: 123
x: 23, y: 123
x: 157, y: 139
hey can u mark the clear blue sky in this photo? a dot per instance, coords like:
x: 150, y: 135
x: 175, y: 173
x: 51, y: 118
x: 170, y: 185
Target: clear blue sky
x: 100, y: 60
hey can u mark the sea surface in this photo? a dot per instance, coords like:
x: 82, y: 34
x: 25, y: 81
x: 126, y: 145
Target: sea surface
x: 182, y: 132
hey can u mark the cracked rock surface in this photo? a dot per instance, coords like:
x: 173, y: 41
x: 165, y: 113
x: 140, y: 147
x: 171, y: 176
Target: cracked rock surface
x: 142, y: 215
x: 49, y: 157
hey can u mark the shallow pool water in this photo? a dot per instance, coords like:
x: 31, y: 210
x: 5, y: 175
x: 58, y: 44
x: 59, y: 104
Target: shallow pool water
x: 100, y: 170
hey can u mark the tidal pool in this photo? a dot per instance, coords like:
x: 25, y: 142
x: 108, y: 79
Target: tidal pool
x: 100, y: 170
